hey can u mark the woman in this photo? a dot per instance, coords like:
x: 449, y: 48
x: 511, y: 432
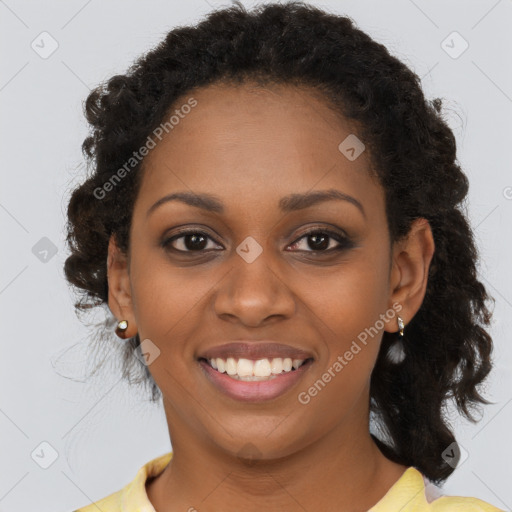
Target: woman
x: 274, y: 220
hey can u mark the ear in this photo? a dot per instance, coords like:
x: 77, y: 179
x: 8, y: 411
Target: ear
x: 119, y: 289
x: 411, y: 259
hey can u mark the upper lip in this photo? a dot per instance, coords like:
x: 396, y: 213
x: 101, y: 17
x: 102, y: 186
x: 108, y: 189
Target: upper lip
x: 255, y: 350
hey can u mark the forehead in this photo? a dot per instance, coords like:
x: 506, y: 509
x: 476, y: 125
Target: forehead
x: 255, y: 143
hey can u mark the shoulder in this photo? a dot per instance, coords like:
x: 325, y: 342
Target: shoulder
x: 414, y: 492
x: 132, y: 497
x: 112, y: 503
x: 462, y: 504
x: 439, y: 502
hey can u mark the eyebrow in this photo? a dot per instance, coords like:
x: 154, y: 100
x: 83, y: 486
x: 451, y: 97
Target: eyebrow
x: 287, y: 204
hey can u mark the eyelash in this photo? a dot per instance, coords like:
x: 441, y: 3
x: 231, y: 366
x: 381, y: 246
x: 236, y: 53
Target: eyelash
x: 343, y: 241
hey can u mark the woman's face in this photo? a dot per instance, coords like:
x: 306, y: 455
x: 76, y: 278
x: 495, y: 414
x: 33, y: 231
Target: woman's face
x: 251, y: 273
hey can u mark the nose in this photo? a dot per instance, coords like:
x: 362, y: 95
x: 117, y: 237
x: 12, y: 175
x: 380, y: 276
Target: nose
x: 252, y: 293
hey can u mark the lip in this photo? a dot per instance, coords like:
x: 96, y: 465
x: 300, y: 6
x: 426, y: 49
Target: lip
x: 254, y: 391
x: 254, y: 351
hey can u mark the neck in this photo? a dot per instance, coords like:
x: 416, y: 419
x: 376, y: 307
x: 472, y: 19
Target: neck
x: 343, y: 470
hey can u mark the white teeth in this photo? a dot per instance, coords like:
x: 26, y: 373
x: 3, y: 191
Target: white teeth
x: 248, y: 370
x: 262, y: 368
x: 245, y: 368
x: 277, y: 366
x: 253, y: 378
x: 231, y: 366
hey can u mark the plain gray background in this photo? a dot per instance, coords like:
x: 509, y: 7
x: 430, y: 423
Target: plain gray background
x: 103, y: 433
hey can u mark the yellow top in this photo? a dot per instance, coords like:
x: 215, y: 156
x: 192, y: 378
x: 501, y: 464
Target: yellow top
x: 412, y: 492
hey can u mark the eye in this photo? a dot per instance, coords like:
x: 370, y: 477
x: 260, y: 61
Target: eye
x: 320, y: 240
x: 188, y: 241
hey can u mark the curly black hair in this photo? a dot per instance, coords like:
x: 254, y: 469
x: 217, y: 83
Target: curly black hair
x: 412, y: 152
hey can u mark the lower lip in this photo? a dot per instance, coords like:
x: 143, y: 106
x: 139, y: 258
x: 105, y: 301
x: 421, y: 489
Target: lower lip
x: 255, y: 391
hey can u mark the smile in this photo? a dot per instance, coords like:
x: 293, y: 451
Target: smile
x: 249, y: 370
x: 254, y: 380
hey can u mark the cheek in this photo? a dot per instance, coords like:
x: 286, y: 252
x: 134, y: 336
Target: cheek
x: 164, y: 298
x: 167, y: 306
x: 349, y: 305
x: 350, y: 298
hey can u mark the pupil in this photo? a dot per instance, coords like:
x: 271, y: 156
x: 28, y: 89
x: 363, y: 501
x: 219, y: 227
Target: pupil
x: 194, y: 240
x: 321, y: 245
